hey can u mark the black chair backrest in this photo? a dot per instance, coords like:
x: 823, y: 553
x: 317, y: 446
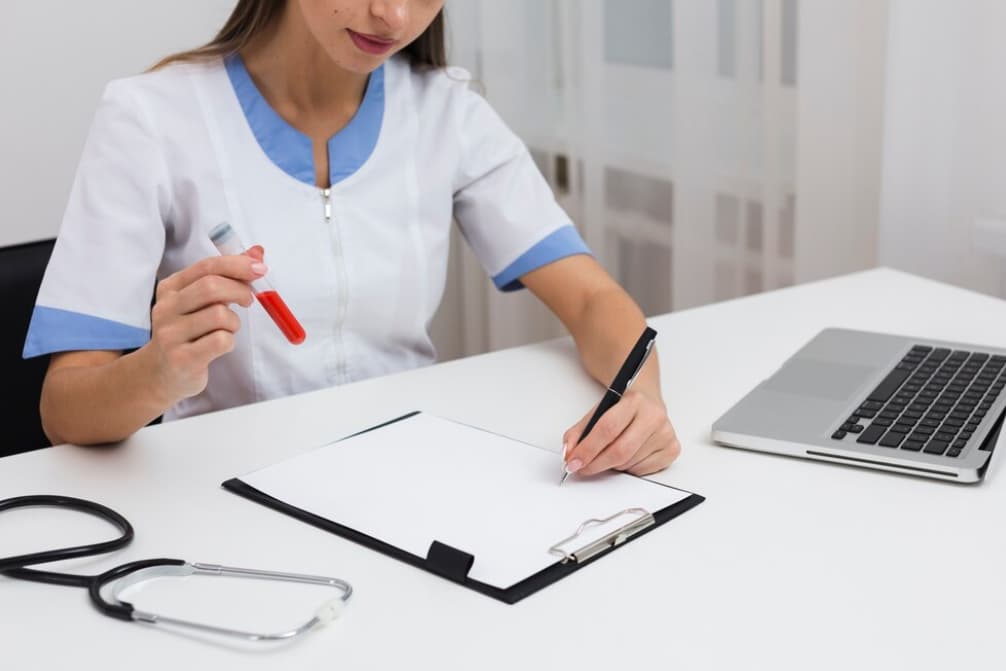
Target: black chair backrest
x: 21, y: 270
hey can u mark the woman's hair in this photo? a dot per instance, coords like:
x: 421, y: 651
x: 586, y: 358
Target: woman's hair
x: 251, y: 17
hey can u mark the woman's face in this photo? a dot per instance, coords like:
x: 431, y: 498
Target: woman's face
x: 359, y: 35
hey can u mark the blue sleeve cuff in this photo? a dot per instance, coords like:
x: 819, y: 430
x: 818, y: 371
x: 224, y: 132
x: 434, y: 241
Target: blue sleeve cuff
x: 54, y: 330
x: 560, y: 243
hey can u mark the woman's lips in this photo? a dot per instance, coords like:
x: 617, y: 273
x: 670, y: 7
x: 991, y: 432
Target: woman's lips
x: 371, y: 44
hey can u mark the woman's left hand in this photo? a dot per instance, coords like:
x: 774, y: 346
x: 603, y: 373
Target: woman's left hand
x: 634, y: 435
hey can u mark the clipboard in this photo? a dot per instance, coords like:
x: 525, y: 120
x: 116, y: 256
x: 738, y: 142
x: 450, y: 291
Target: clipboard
x: 592, y: 536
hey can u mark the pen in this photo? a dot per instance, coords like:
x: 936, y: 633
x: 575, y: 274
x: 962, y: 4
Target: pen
x: 625, y: 377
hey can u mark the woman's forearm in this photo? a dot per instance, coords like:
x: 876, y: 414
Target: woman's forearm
x: 605, y: 332
x: 89, y: 403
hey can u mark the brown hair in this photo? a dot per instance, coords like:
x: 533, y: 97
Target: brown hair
x: 251, y: 17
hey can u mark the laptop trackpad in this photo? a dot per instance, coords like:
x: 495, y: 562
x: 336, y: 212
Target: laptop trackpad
x: 819, y: 379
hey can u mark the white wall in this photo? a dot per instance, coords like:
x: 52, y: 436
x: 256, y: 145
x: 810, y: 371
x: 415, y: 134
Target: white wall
x: 55, y: 58
x: 944, y: 139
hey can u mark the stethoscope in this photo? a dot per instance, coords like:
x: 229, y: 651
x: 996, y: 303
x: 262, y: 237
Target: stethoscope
x: 105, y: 589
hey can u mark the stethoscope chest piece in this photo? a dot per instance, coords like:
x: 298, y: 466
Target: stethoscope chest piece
x: 107, y: 590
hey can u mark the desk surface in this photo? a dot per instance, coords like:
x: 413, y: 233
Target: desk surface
x: 789, y: 564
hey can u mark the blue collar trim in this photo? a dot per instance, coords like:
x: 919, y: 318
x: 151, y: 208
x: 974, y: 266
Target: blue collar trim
x: 290, y: 149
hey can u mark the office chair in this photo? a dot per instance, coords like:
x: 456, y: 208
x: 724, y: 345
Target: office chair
x: 21, y: 270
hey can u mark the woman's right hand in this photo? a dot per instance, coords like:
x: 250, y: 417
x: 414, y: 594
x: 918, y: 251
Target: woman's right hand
x: 192, y: 322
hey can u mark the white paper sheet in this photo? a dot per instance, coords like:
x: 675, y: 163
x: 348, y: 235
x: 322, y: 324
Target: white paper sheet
x: 427, y: 478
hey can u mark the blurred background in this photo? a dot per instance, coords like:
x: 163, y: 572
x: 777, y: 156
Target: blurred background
x: 706, y: 149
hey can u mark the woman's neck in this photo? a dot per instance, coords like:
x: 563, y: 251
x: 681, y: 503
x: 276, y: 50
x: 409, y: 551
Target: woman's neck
x: 292, y: 65
x: 303, y: 84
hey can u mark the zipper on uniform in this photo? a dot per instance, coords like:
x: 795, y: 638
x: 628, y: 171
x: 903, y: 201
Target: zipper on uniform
x: 341, y: 288
x: 326, y: 199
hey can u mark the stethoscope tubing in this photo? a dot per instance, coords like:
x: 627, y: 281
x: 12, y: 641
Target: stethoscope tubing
x: 16, y: 567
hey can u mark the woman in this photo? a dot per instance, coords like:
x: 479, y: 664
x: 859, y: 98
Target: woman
x: 329, y: 133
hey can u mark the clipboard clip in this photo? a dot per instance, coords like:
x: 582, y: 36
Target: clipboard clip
x: 642, y: 519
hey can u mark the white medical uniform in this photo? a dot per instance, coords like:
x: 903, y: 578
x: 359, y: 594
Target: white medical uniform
x: 362, y: 265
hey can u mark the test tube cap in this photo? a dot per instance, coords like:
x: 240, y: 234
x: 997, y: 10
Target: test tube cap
x: 220, y: 232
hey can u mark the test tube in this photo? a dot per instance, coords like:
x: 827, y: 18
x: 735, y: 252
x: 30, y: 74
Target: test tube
x: 227, y: 242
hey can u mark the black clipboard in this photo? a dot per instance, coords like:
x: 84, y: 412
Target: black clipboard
x: 454, y: 564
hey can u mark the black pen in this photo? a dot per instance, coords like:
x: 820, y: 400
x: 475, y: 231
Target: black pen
x: 626, y: 376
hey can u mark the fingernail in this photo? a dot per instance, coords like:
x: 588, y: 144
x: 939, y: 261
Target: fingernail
x: 565, y: 449
x: 259, y: 268
x: 574, y: 466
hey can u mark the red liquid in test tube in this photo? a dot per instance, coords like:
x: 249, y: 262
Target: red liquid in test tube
x: 226, y: 241
x: 280, y: 313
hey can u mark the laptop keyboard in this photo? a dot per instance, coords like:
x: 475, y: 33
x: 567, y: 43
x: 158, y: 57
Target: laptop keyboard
x: 932, y: 402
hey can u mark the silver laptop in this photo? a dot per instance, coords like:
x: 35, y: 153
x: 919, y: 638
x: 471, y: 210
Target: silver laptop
x: 895, y: 403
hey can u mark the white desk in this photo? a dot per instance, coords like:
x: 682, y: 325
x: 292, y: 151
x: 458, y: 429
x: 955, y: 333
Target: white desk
x: 789, y: 564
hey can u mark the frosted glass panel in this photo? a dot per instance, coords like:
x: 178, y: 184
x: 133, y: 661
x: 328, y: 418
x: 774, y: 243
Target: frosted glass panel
x: 755, y: 227
x: 644, y: 270
x: 789, y: 41
x: 638, y: 32
x: 665, y: 130
x: 727, y: 220
x: 631, y: 192
x: 726, y: 281
x: 787, y: 228
x: 727, y: 38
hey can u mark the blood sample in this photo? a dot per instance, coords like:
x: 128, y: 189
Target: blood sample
x: 226, y: 240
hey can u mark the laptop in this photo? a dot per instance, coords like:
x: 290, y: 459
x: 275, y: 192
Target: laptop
x: 889, y: 402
